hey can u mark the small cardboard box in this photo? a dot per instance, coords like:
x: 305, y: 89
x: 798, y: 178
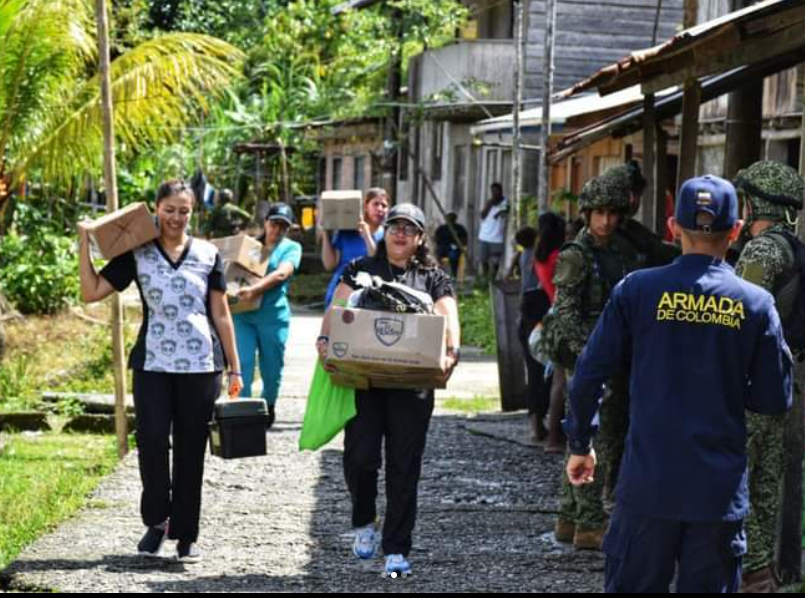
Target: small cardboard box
x: 245, y: 251
x: 341, y: 210
x: 126, y: 229
x: 386, y: 350
x: 238, y: 277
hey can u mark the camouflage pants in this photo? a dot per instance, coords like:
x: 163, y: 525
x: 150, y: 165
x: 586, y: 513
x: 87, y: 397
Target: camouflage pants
x: 584, y: 505
x: 766, y: 468
x: 614, y: 427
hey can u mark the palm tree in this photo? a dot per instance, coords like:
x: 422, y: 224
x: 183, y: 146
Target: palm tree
x: 50, y: 119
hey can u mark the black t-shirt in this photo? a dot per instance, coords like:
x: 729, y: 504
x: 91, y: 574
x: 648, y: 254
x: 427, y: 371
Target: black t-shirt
x: 177, y: 333
x: 432, y: 281
x: 444, y: 237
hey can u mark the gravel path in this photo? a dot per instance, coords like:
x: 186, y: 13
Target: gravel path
x: 282, y: 523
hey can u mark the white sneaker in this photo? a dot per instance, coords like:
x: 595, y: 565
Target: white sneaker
x: 365, y: 544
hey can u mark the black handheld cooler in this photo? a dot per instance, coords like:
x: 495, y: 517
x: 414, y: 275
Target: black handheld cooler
x: 238, y: 429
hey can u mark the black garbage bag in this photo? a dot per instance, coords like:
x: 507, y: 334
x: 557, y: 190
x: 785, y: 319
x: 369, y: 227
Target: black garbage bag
x: 378, y: 295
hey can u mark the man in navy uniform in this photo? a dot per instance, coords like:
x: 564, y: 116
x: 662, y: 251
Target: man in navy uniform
x: 704, y: 345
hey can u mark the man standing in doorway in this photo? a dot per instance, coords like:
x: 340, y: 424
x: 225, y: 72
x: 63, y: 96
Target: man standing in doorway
x: 493, y: 231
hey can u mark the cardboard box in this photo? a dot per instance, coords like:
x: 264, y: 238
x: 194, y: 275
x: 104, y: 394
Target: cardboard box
x: 245, y: 251
x: 386, y: 350
x: 341, y: 210
x: 238, y: 277
x: 117, y: 233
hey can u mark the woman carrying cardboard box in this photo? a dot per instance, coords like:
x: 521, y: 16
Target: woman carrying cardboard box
x: 266, y: 330
x: 347, y: 245
x: 185, y: 343
x: 402, y: 417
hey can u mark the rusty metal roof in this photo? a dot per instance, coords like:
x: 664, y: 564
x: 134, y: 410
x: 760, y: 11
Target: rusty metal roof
x: 743, y: 37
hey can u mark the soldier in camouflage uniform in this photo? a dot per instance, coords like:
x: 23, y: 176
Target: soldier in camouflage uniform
x: 773, y: 194
x: 646, y: 242
x: 587, y: 271
x: 227, y: 219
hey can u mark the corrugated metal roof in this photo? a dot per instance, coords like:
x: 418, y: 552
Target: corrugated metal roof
x: 561, y: 111
x: 646, y: 64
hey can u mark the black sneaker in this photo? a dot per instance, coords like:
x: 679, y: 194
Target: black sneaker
x: 152, y: 541
x: 272, y: 417
x: 188, y: 552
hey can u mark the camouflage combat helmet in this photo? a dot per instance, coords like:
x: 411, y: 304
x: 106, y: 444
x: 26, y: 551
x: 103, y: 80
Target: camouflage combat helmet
x: 774, y: 192
x: 610, y: 190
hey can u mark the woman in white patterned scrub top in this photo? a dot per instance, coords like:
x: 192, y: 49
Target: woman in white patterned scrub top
x: 185, y: 344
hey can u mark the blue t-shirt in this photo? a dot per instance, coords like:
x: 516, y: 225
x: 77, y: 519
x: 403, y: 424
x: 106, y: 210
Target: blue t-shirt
x: 703, y: 346
x: 275, y: 304
x: 351, y: 246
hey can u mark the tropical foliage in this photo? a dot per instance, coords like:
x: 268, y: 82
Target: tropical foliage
x: 49, y: 94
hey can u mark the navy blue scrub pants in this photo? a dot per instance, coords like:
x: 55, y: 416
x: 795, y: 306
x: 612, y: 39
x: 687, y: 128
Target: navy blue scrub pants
x: 644, y: 553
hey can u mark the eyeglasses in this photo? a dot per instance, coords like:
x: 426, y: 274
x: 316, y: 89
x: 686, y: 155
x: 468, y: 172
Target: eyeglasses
x: 408, y: 229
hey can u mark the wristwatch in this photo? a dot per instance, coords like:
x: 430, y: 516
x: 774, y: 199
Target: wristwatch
x: 455, y: 353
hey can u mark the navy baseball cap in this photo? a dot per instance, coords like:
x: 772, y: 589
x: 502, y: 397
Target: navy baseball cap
x: 409, y: 212
x: 707, y: 195
x: 282, y: 213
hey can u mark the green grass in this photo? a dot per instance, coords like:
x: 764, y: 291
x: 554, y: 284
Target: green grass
x: 44, y: 480
x: 57, y: 353
x: 309, y: 288
x: 477, y: 324
x: 470, y: 406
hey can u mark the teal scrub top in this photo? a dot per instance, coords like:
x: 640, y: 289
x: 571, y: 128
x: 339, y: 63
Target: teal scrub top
x: 275, y: 304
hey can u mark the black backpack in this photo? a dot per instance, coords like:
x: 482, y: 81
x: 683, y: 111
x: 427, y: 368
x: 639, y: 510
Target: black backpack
x: 790, y: 296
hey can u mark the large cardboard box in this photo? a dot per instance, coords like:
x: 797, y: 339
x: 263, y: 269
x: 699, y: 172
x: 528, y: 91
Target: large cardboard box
x: 386, y: 350
x: 341, y: 210
x: 126, y: 229
x: 245, y: 251
x: 238, y: 277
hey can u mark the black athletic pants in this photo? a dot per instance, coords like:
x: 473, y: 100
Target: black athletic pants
x: 181, y: 404
x: 533, y: 307
x: 402, y: 417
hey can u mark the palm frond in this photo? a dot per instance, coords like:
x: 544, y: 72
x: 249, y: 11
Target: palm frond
x: 44, y: 46
x: 157, y: 88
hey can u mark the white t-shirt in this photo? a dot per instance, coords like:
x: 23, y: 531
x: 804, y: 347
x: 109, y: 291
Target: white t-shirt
x: 493, y: 229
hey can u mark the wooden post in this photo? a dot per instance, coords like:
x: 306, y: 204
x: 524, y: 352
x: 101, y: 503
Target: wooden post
x: 513, y: 219
x: 648, y: 207
x: 744, y: 120
x: 690, y: 131
x: 517, y: 138
x: 661, y: 181
x: 744, y: 128
x: 791, y: 527
x: 110, y: 180
x: 390, y: 135
x: 547, y: 97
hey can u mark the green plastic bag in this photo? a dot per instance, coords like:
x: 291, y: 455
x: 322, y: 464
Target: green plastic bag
x: 329, y: 408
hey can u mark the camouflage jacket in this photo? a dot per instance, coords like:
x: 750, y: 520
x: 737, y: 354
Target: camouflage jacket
x: 586, y: 274
x: 767, y: 258
x: 657, y: 251
x: 768, y: 261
